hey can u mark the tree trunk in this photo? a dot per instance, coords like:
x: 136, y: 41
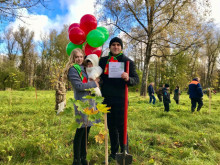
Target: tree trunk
x: 159, y: 71
x: 141, y: 57
x: 204, y: 75
x: 145, y: 71
x: 211, y: 72
x: 218, y: 80
x: 207, y: 82
x: 135, y: 57
x: 155, y: 76
x: 193, y: 71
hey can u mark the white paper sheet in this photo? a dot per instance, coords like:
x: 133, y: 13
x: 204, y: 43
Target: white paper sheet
x: 116, y: 69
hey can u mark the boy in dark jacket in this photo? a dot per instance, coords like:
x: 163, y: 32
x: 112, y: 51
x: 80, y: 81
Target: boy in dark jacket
x: 166, y: 98
x: 195, y: 94
x: 113, y: 91
x: 176, y: 96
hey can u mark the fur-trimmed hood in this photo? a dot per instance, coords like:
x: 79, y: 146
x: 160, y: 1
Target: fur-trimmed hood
x: 94, y: 59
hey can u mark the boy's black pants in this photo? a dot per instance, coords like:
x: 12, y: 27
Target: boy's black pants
x: 160, y: 97
x: 166, y: 106
x: 115, y: 121
x: 177, y: 101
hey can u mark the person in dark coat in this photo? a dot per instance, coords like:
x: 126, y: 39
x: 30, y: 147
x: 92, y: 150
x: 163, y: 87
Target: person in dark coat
x: 176, y: 96
x: 166, y: 98
x: 113, y: 91
x: 151, y: 93
x: 195, y: 94
x: 160, y: 93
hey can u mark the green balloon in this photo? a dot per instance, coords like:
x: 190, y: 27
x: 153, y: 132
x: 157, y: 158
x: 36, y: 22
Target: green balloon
x: 70, y: 46
x: 95, y: 38
x: 104, y: 31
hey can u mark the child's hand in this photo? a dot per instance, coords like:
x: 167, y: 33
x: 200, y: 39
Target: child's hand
x: 97, y: 83
x: 97, y: 79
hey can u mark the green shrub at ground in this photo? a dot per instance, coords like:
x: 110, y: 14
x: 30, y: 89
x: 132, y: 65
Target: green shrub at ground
x: 32, y: 133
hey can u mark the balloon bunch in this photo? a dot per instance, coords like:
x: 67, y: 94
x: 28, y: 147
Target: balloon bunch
x: 87, y: 36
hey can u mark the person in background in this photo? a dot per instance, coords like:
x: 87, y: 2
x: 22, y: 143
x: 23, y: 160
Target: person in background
x: 113, y: 91
x: 160, y: 93
x: 195, y: 94
x: 176, y: 96
x: 166, y: 98
x: 151, y: 92
x: 214, y: 91
x: 76, y: 74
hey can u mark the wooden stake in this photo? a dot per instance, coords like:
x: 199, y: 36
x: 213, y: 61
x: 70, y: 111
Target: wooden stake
x: 210, y: 99
x: 106, y: 139
x: 86, y: 137
x: 36, y: 92
x: 10, y: 97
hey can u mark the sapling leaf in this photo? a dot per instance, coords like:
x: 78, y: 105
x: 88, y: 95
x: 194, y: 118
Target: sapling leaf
x: 95, y: 117
x: 67, y: 110
x: 103, y: 108
x: 71, y: 100
x: 78, y: 117
x: 81, y: 105
x: 99, y: 125
x: 74, y: 125
x: 89, y: 97
x: 99, y: 99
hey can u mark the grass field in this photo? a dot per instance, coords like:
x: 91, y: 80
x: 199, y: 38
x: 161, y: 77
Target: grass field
x: 32, y: 133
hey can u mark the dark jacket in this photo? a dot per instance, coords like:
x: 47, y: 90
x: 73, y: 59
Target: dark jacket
x: 113, y: 89
x: 176, y: 94
x: 150, y: 89
x: 166, y: 96
x: 195, y: 89
x: 160, y: 91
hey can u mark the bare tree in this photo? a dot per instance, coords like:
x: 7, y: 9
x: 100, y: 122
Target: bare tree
x: 162, y: 25
x: 212, y: 53
x: 53, y: 57
x: 24, y: 39
x: 10, y: 9
x: 11, y: 45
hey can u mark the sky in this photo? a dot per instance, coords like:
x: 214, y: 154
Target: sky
x: 58, y: 13
x: 62, y: 12
x: 215, y: 4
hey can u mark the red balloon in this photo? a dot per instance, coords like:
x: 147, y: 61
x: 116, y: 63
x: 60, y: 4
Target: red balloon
x: 73, y: 25
x: 88, y: 22
x: 91, y: 50
x: 77, y: 36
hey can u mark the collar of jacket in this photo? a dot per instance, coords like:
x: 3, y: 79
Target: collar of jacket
x: 194, y: 82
